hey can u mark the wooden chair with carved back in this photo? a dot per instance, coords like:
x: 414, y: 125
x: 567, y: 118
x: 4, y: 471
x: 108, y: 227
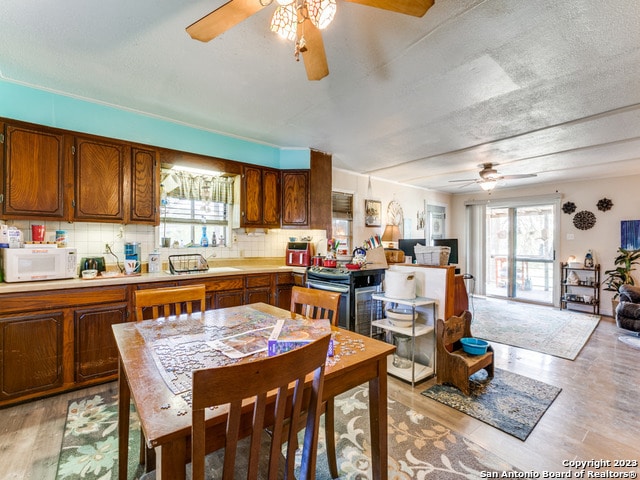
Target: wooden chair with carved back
x: 453, y: 365
x: 162, y: 302
x: 233, y: 384
x: 321, y: 304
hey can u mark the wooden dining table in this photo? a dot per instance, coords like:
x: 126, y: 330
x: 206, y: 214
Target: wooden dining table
x: 156, y: 358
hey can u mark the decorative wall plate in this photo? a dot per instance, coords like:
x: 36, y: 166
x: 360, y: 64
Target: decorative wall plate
x: 584, y: 220
x: 604, y: 204
x: 569, y: 207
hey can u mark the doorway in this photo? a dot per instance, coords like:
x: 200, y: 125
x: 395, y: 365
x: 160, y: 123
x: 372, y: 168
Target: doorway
x: 520, y: 252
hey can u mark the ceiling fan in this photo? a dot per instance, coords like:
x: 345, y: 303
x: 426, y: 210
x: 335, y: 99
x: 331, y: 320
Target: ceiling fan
x: 489, y: 177
x: 297, y: 20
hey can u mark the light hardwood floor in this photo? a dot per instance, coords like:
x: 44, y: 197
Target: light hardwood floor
x: 594, y: 417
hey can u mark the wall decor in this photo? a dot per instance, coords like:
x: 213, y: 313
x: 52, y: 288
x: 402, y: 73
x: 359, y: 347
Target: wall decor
x: 569, y: 207
x: 395, y: 215
x: 420, y: 218
x: 584, y: 220
x: 372, y: 209
x: 630, y: 234
x: 604, y: 204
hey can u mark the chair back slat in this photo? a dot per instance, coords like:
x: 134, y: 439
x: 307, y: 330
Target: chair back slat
x: 258, y: 380
x: 315, y: 304
x: 163, y: 302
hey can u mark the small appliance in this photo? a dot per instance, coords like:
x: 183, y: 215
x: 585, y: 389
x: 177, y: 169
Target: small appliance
x: 299, y: 254
x: 39, y: 262
x: 92, y: 263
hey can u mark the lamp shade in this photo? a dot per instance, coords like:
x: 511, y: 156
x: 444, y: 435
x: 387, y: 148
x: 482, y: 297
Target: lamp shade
x: 391, y: 233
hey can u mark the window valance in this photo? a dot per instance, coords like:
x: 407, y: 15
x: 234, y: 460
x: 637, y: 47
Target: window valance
x: 191, y: 186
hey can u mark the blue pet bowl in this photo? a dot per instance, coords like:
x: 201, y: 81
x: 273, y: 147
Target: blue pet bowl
x: 474, y: 346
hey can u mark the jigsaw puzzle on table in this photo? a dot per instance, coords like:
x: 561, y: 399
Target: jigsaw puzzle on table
x: 199, y: 342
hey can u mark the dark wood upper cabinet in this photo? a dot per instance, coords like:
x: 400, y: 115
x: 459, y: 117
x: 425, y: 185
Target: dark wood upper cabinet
x: 100, y: 168
x: 34, y: 169
x: 260, y: 197
x: 295, y: 198
x: 145, y: 186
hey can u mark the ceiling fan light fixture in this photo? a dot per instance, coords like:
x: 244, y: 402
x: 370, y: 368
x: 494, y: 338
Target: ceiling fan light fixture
x: 321, y: 12
x: 285, y: 21
x: 488, y: 185
x: 285, y: 2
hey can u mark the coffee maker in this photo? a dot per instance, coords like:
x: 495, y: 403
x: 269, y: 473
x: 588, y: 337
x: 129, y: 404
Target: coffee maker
x: 132, y: 251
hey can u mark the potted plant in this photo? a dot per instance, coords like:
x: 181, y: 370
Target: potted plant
x: 621, y: 275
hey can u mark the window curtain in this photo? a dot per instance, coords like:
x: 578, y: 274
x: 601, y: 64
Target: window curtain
x: 476, y: 245
x: 190, y: 186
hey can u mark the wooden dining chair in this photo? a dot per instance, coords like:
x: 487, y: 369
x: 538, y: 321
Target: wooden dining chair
x: 161, y: 302
x: 256, y: 380
x: 321, y: 304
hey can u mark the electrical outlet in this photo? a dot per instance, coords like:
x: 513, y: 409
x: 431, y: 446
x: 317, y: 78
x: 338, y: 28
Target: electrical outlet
x: 107, y: 248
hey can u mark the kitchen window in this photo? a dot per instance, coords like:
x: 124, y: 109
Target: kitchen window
x: 194, y: 204
x: 342, y: 219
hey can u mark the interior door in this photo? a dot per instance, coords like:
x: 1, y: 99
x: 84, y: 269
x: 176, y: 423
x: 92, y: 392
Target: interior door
x: 520, y: 252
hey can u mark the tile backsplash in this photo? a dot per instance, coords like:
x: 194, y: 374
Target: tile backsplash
x: 90, y: 239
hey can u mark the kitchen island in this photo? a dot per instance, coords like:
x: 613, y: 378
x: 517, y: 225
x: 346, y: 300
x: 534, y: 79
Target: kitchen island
x: 56, y: 335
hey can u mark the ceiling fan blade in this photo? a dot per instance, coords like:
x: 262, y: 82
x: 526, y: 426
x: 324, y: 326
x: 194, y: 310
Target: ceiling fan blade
x: 417, y: 8
x: 314, y: 56
x: 223, y: 18
x: 465, y: 180
x: 521, y: 175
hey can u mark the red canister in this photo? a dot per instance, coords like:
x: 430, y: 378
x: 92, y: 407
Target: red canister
x: 316, y: 260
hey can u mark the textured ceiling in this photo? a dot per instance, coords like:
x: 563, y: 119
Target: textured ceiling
x: 542, y: 87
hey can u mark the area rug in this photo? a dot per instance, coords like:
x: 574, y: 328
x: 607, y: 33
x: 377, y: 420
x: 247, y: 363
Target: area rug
x: 510, y: 402
x: 418, y: 446
x: 561, y: 333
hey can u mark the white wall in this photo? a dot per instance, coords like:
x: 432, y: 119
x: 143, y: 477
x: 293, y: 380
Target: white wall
x: 603, y: 239
x: 411, y: 199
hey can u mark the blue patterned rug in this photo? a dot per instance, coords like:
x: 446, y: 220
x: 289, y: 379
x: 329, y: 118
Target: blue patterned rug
x: 509, y: 402
x: 419, y: 447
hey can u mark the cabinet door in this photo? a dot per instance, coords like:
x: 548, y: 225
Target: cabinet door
x: 295, y: 198
x: 252, y: 196
x: 99, y: 180
x: 145, y: 186
x: 34, y: 173
x: 96, y: 354
x: 271, y: 198
x: 231, y: 298
x: 260, y: 197
x: 31, y: 354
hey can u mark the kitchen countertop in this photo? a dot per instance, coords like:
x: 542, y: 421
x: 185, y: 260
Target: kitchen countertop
x: 215, y: 271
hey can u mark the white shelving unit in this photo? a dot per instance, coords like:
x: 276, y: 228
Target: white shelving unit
x: 417, y: 371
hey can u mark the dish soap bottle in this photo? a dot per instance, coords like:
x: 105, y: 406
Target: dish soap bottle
x: 203, y: 241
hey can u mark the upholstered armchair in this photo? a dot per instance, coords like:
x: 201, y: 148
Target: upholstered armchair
x: 628, y: 310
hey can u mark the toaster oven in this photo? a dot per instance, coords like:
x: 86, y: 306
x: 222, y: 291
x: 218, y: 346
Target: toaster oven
x: 299, y: 254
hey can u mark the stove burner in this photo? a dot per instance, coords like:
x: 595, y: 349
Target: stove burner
x: 338, y: 273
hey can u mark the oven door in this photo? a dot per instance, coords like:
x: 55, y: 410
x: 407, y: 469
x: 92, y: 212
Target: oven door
x: 343, y: 316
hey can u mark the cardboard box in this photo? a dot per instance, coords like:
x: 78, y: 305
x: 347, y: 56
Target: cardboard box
x: 290, y: 334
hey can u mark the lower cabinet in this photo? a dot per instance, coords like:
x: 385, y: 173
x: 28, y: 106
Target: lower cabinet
x: 32, y: 354
x: 96, y: 354
x: 57, y: 340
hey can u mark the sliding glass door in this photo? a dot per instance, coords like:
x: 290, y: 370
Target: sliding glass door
x: 519, y: 252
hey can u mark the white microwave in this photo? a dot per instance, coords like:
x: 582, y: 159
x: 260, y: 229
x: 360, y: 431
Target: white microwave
x: 39, y: 262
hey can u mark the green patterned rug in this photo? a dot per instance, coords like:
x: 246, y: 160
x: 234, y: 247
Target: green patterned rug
x: 509, y: 402
x: 561, y: 333
x: 418, y: 446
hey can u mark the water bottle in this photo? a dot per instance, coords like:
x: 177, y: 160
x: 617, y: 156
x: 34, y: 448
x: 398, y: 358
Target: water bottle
x: 204, y: 242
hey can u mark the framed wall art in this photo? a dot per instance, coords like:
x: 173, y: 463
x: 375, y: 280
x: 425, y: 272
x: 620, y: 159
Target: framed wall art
x: 372, y: 213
